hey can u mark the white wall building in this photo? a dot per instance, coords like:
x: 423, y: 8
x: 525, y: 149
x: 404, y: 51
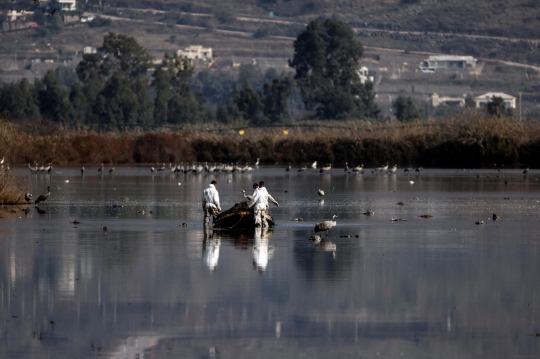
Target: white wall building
x: 89, y: 50
x: 363, y: 74
x: 432, y: 63
x: 437, y: 101
x: 68, y: 5
x: 196, y: 52
x: 482, y: 100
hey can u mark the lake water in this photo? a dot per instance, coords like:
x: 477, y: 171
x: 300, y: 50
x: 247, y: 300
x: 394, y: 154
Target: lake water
x: 441, y: 287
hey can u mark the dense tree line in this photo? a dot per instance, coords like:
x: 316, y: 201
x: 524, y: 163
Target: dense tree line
x: 120, y: 86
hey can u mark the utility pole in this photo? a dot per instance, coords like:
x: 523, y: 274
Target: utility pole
x: 519, y: 106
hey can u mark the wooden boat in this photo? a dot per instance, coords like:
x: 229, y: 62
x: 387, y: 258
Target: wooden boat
x: 240, y: 216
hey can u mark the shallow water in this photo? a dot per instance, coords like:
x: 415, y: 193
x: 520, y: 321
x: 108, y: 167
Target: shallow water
x: 441, y: 287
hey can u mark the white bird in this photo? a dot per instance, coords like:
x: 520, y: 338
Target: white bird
x: 320, y: 192
x: 152, y: 169
x: 384, y: 168
x: 346, y: 167
x: 28, y: 197
x: 411, y: 182
x: 2, y: 161
x: 358, y: 168
x: 393, y: 169
x: 32, y: 169
x: 327, y: 168
x: 326, y: 225
x: 257, y: 162
x: 247, y: 196
x: 314, y: 165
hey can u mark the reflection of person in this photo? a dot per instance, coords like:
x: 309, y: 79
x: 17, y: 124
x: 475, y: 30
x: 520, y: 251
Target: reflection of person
x: 210, y: 249
x: 210, y: 202
x: 266, y: 197
x: 261, y: 254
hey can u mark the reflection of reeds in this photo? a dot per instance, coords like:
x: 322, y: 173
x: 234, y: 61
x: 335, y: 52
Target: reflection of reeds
x: 11, y: 191
x: 468, y: 139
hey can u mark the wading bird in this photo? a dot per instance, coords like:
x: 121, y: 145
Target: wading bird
x: 247, y: 196
x: 82, y: 170
x: 326, y: 225
x: 111, y: 170
x: 43, y: 197
x: 101, y: 168
x: 320, y: 192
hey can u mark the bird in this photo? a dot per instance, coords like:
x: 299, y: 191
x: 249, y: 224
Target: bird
x: 247, y: 196
x: 50, y: 13
x: 33, y: 169
x: 326, y: 168
x: 111, y: 170
x: 49, y: 167
x: 526, y: 170
x: 384, y: 168
x: 480, y: 222
x: 28, y: 197
x: 302, y: 169
x: 398, y: 220
x: 400, y: 203
x: 288, y: 168
x: 82, y: 170
x: 496, y: 217
x: 314, y: 165
x: 346, y: 167
x: 326, y: 225
x: 368, y: 213
x: 152, y: 169
x: 43, y: 197
x: 419, y: 169
x: 101, y: 168
x: 426, y: 216
x: 320, y: 192
x: 2, y: 160
x: 257, y: 162
x: 297, y: 219
x: 407, y: 169
x: 358, y: 168
x: 393, y: 169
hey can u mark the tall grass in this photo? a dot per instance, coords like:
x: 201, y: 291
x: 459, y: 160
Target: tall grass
x: 11, y: 191
x: 470, y: 139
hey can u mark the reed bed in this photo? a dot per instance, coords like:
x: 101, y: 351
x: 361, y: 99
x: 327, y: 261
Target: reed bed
x: 470, y: 139
x: 11, y: 191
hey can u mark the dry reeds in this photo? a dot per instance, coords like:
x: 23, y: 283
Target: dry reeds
x: 11, y: 192
x: 469, y: 139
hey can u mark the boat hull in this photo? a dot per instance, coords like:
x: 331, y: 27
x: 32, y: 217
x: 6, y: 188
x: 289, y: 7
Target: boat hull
x: 239, y: 217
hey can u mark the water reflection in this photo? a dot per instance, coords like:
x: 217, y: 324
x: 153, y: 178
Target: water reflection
x: 211, y: 245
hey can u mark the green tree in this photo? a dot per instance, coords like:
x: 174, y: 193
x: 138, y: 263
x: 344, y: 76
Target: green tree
x: 405, y: 109
x: 20, y: 100
x: 79, y: 103
x: 53, y: 98
x: 249, y: 103
x: 117, y: 104
x: 326, y: 57
x: 275, y: 99
x: 495, y: 107
x: 132, y: 59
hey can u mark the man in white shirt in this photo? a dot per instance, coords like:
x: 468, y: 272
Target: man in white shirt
x: 210, y: 202
x: 260, y: 204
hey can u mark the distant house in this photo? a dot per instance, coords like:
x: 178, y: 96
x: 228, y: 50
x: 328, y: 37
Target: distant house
x: 13, y: 19
x: 89, y: 50
x: 68, y: 5
x: 437, y: 101
x: 196, y: 52
x: 482, y: 100
x: 363, y: 74
x: 433, y: 63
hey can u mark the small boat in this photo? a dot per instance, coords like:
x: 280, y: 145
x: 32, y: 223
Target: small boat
x: 239, y: 217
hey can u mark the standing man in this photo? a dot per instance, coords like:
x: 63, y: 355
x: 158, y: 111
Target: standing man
x: 210, y: 202
x: 266, y: 197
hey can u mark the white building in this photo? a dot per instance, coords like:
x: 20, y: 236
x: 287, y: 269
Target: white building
x: 482, y: 100
x: 433, y: 63
x: 68, y: 5
x: 196, y: 52
x: 437, y: 101
x: 89, y: 50
x: 363, y: 74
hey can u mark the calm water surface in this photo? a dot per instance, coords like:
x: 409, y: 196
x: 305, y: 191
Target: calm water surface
x: 442, y: 287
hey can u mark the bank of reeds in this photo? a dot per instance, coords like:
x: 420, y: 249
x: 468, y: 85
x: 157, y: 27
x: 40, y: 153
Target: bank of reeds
x: 467, y: 140
x: 11, y: 190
